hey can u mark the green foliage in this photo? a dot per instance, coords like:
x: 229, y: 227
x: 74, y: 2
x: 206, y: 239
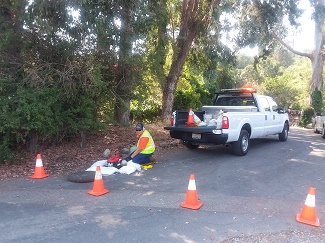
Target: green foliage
x: 281, y: 75
x: 256, y: 70
x: 184, y: 100
x: 26, y: 112
x: 62, y: 74
x: 44, y: 113
x: 258, y: 19
x: 146, y: 97
x: 296, y: 106
x: 145, y: 115
x: 5, y: 152
x: 282, y: 89
x: 147, y: 101
x: 307, y: 116
x: 192, y: 98
x: 192, y: 91
x: 317, y: 102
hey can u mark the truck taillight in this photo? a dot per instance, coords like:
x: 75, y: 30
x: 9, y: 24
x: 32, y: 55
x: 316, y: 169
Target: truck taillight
x: 225, y: 122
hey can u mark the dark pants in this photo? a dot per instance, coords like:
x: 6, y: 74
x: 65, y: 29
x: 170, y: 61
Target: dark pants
x: 140, y: 158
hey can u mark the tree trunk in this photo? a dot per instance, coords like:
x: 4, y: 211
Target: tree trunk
x: 317, y: 58
x: 191, y: 19
x: 161, y: 50
x: 188, y: 29
x: 122, y: 100
x: 124, y: 74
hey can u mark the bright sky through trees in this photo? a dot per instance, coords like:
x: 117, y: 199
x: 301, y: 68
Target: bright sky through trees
x: 302, y: 38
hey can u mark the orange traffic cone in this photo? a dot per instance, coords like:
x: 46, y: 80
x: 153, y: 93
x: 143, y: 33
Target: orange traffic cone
x: 191, y: 200
x: 39, y: 169
x: 98, y: 188
x: 308, y: 214
x: 190, y: 119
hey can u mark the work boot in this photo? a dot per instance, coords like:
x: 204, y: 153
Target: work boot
x: 153, y: 160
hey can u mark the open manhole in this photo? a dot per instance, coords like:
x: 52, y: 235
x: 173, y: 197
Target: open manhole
x: 82, y: 176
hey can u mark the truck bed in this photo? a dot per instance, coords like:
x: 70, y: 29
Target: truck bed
x: 215, y: 109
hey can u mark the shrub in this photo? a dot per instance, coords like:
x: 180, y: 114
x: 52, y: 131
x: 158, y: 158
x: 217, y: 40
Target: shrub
x: 38, y: 115
x: 5, y: 152
x: 194, y: 99
x: 146, y: 115
x: 307, y: 116
x: 317, y: 101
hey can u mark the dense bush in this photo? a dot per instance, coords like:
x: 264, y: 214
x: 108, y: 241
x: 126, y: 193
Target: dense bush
x: 317, y: 101
x: 34, y: 115
x: 5, y: 152
x: 307, y: 116
x: 146, y: 115
x: 194, y: 99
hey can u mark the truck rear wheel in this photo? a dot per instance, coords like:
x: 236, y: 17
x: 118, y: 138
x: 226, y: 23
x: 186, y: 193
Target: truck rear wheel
x: 190, y: 145
x: 323, y: 132
x: 241, y: 146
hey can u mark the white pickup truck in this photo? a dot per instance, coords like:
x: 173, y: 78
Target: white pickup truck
x: 319, y: 124
x: 237, y: 115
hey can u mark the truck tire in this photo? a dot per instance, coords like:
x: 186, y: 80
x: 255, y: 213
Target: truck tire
x: 323, y: 132
x: 283, y: 136
x: 241, y: 146
x: 190, y: 145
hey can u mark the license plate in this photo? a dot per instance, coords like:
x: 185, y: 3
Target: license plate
x: 196, y: 136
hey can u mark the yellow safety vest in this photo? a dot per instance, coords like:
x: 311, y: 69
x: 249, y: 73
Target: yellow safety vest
x: 150, y: 148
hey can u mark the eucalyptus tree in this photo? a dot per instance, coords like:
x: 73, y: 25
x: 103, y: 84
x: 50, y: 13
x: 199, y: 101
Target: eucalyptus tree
x: 317, y: 56
x: 262, y: 22
x: 121, y: 28
x: 108, y: 34
x: 251, y: 21
x: 194, y: 19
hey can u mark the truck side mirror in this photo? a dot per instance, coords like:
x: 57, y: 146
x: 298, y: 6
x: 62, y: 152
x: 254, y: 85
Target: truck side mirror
x: 285, y: 108
x: 280, y: 110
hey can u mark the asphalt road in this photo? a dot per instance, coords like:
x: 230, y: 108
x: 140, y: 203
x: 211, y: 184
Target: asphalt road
x: 254, y: 198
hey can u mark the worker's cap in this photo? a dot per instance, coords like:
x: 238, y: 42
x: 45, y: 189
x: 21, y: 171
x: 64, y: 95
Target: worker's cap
x: 139, y: 127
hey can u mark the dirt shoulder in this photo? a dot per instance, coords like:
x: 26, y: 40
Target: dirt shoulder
x: 67, y: 157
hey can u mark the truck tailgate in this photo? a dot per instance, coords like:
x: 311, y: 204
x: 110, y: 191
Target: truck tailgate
x: 204, y: 129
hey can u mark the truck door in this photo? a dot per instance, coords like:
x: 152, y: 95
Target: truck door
x: 268, y: 115
x: 277, y: 125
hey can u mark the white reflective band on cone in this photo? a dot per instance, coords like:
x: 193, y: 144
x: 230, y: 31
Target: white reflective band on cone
x: 98, y: 175
x: 191, y: 185
x: 310, y: 200
x: 39, y: 163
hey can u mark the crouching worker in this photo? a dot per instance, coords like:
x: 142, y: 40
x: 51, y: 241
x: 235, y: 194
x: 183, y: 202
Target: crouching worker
x: 145, y: 146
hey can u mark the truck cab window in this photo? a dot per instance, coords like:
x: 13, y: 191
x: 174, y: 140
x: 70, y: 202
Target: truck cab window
x: 273, y: 104
x: 250, y: 103
x: 265, y: 104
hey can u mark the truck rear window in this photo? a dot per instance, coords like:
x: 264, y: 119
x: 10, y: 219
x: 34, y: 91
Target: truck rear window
x: 234, y: 101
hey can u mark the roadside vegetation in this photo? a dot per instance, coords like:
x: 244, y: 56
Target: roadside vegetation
x: 72, y: 70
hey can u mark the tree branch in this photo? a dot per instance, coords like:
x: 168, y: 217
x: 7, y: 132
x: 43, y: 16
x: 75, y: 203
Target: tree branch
x: 309, y: 55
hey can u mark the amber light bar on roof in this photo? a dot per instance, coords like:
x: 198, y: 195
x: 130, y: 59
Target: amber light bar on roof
x: 240, y: 90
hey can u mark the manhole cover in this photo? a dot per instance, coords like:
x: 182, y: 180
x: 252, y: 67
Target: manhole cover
x: 82, y: 176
